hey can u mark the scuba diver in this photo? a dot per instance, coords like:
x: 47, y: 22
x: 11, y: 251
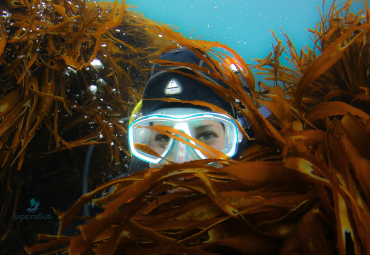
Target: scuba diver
x: 213, y: 129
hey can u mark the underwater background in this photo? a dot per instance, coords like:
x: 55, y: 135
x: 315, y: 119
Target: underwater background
x: 244, y: 26
x: 72, y: 71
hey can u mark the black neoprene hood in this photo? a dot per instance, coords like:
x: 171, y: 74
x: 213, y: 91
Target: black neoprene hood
x: 186, y: 88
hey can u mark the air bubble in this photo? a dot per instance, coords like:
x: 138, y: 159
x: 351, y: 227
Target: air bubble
x: 100, y: 82
x: 93, y: 89
x: 97, y: 63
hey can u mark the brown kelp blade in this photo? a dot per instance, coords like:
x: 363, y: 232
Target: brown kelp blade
x: 328, y: 58
x: 301, y: 188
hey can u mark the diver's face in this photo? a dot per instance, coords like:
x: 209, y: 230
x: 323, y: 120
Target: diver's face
x: 212, y: 133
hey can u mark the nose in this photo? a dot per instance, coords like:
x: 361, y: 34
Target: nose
x: 179, y: 153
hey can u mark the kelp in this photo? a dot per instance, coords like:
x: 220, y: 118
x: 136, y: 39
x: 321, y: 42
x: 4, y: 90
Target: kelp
x: 70, y: 70
x: 300, y: 188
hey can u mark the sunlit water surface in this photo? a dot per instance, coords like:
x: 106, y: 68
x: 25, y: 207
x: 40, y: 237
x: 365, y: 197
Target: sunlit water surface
x: 243, y: 25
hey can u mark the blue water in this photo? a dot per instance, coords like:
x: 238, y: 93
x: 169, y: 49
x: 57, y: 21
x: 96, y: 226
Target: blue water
x: 242, y: 25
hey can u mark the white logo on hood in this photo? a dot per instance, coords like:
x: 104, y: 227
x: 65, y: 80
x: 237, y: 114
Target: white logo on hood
x: 173, y: 88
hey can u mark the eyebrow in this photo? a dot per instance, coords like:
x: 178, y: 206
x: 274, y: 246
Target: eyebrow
x: 209, y: 125
x: 202, y: 127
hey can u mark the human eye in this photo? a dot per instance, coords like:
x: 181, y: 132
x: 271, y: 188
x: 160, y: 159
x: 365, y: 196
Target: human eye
x: 207, y: 136
x: 161, y: 140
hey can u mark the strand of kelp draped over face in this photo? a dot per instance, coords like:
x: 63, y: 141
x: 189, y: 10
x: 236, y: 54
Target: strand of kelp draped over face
x: 69, y: 72
x: 302, y: 188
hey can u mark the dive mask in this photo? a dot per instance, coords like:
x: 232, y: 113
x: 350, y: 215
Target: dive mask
x: 216, y: 130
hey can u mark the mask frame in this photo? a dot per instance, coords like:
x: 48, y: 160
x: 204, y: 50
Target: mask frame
x: 181, y: 122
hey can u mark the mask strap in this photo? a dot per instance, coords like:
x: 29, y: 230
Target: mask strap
x: 264, y: 111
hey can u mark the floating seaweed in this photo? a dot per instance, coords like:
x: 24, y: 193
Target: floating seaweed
x: 301, y: 188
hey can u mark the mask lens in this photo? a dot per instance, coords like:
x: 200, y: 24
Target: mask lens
x: 154, y: 140
x: 159, y: 142
x: 214, y: 133
x: 209, y: 132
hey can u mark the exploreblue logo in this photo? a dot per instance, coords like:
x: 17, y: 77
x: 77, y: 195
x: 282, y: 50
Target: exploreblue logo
x: 30, y: 212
